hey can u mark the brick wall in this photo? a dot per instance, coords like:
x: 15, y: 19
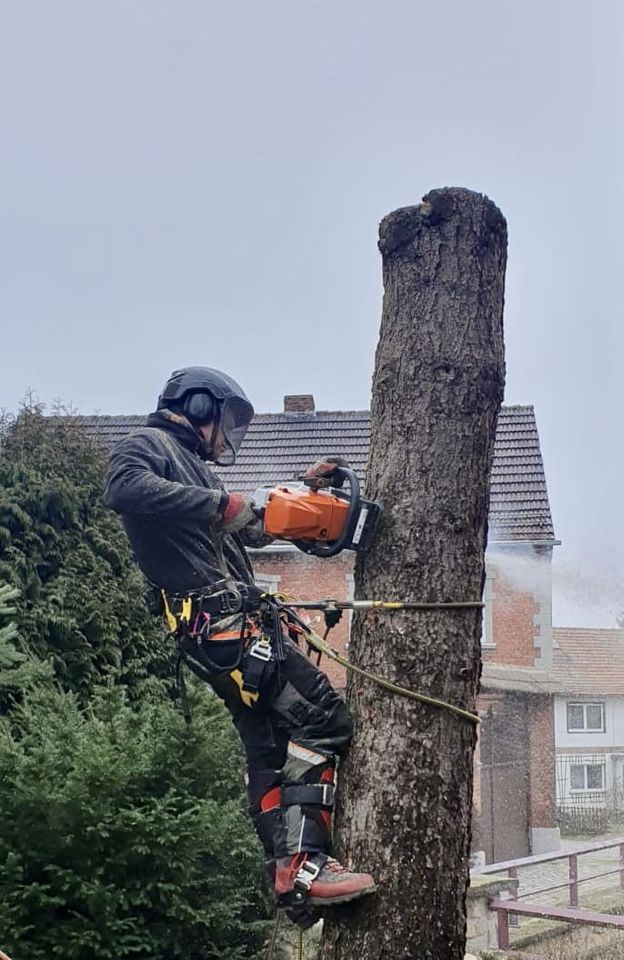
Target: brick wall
x: 543, y: 812
x: 513, y: 618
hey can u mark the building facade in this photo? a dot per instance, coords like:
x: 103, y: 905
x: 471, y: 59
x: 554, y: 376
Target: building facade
x: 589, y: 728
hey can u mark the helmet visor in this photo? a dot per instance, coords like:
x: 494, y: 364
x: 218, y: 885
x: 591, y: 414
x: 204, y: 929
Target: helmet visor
x: 234, y: 420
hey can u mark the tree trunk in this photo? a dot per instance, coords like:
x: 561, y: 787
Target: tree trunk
x: 406, y: 786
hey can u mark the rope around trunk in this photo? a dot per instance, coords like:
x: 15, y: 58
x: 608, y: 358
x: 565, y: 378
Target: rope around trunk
x: 321, y: 645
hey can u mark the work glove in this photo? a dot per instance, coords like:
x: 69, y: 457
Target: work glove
x: 326, y: 467
x: 238, y: 513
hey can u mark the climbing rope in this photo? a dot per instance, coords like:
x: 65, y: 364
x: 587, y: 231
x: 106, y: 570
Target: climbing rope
x: 273, y: 943
x: 321, y: 645
x: 274, y: 933
x: 383, y: 605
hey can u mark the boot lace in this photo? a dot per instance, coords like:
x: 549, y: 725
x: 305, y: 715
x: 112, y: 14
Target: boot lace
x: 334, y: 866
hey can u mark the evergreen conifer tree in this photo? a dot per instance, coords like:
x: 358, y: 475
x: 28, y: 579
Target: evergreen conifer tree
x: 81, y: 604
x: 18, y: 670
x: 123, y: 832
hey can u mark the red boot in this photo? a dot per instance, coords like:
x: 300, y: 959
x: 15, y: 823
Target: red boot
x: 319, y: 880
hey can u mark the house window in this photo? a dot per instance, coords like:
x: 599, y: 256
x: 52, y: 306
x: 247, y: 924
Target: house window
x: 586, y: 717
x: 587, y: 776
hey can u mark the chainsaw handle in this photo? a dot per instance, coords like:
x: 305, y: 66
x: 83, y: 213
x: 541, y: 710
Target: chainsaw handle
x: 355, y: 498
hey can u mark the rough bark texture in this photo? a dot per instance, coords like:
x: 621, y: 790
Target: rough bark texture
x: 406, y: 787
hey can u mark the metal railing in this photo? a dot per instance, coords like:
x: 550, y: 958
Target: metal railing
x: 509, y: 910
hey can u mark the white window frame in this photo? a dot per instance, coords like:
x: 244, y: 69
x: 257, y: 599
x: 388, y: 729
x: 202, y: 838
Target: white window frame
x: 350, y: 580
x: 584, y: 704
x: 584, y: 767
x: 487, y: 620
x: 269, y: 582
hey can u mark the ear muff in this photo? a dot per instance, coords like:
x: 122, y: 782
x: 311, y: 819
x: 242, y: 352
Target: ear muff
x: 200, y: 407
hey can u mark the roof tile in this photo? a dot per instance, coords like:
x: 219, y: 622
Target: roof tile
x: 589, y: 661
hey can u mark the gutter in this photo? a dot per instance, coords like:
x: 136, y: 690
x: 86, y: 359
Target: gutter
x: 551, y: 542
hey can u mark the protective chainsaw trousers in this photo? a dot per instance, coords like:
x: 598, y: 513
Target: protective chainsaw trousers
x: 292, y: 734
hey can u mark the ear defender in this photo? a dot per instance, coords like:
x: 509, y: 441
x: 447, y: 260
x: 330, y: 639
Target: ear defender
x: 200, y: 408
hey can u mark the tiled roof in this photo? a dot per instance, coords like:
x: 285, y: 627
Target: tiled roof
x: 279, y: 445
x: 503, y: 676
x: 519, y: 507
x: 589, y: 662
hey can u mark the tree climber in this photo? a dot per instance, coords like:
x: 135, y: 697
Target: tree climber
x: 189, y: 535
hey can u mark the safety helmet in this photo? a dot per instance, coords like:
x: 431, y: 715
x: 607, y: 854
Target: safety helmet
x: 204, y: 395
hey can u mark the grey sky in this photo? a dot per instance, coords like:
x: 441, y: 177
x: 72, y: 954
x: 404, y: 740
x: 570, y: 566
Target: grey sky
x: 198, y: 182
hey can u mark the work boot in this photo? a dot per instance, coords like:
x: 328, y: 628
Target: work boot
x: 318, y: 880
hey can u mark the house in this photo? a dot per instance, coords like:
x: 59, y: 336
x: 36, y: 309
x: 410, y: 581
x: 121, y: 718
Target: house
x: 514, y: 796
x: 515, y: 811
x: 589, y: 728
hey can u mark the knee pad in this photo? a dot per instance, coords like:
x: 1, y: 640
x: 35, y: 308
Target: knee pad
x: 307, y: 802
x: 305, y: 763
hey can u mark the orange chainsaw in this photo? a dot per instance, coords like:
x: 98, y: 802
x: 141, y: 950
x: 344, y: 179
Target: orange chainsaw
x: 318, y: 517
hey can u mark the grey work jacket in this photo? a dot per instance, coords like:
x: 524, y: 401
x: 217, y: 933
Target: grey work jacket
x: 170, y: 503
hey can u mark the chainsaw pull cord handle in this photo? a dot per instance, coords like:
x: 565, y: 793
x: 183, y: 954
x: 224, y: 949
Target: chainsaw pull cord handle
x: 355, y: 502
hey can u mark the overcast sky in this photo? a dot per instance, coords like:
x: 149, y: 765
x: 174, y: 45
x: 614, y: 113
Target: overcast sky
x: 192, y: 182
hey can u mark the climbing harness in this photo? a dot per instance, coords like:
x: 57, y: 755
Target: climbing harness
x: 221, y: 600
x: 192, y: 621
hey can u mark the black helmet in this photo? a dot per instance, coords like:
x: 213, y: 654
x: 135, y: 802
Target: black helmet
x: 204, y: 395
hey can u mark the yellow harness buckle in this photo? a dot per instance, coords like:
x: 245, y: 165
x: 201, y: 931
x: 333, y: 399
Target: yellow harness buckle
x: 186, y: 612
x: 187, y: 609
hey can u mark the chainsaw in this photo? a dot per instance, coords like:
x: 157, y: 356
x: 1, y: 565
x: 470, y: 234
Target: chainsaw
x: 317, y: 515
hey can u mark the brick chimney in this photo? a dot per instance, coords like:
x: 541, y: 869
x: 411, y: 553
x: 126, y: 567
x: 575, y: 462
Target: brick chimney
x: 299, y: 403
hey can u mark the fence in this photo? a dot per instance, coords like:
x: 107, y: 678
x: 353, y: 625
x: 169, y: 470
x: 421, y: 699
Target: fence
x: 590, y: 796
x: 529, y: 872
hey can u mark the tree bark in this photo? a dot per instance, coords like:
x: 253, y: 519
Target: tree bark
x: 406, y: 786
